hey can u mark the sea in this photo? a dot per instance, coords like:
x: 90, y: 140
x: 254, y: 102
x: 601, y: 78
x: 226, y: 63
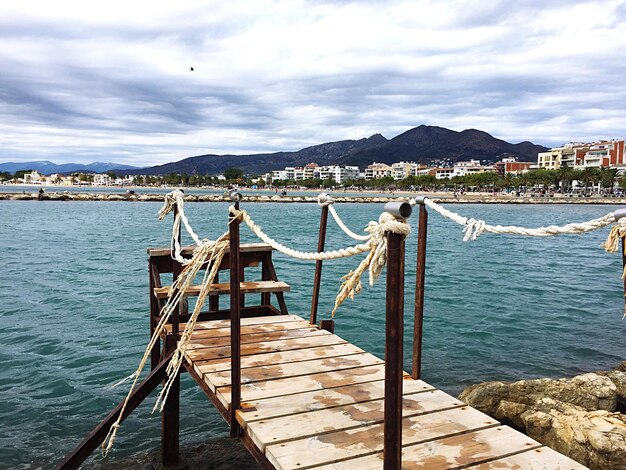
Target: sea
x: 74, y: 308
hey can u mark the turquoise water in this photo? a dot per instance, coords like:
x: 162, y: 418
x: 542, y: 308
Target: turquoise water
x: 74, y: 309
x: 9, y: 188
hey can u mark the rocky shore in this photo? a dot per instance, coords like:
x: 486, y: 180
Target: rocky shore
x: 581, y: 417
x: 260, y: 198
x: 222, y: 453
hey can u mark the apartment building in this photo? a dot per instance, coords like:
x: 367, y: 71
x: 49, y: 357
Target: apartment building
x: 401, y: 170
x: 511, y: 165
x: 34, y: 177
x: 462, y: 168
x: 340, y: 174
x: 377, y: 170
x: 604, y: 153
x: 101, y: 180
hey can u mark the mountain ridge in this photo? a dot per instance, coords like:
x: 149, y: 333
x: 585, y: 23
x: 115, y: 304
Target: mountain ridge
x: 420, y: 144
x: 47, y: 168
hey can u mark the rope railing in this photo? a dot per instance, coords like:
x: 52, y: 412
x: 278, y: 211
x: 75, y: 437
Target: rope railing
x: 475, y: 227
x: 210, y: 253
x: 325, y: 200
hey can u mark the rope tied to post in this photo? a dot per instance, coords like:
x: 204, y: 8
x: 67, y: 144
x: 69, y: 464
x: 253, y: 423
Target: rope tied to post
x: 324, y: 200
x: 208, y: 252
x: 176, y: 199
x: 376, y: 258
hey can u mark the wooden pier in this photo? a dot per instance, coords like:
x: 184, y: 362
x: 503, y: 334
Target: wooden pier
x: 312, y: 400
x: 300, y: 396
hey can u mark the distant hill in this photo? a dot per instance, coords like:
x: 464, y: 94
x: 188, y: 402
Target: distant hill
x: 48, y: 168
x: 421, y: 144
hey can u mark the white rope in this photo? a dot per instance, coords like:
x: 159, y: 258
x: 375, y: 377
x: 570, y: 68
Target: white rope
x: 308, y: 256
x: 375, y: 260
x: 473, y: 227
x: 177, y: 199
x: 325, y: 200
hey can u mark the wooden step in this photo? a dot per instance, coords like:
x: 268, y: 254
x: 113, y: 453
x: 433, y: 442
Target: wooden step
x: 247, y: 287
x: 188, y: 250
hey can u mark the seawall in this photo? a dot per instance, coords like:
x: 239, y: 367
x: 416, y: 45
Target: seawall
x: 365, y: 199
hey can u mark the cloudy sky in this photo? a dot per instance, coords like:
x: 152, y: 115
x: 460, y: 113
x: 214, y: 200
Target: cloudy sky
x: 82, y: 81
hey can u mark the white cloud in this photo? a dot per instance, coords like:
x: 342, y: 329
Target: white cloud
x: 111, y: 81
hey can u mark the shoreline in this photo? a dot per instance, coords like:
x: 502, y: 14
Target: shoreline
x: 474, y: 198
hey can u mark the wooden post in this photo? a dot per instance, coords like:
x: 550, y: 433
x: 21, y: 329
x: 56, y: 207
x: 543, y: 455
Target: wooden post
x: 321, y: 241
x: 154, y: 282
x: 393, y: 352
x: 170, y: 419
x: 420, y: 276
x: 235, y: 320
x: 214, y: 300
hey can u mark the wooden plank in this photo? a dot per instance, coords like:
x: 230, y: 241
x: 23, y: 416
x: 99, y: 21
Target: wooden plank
x: 198, y: 343
x: 211, y: 324
x: 199, y: 346
x: 188, y: 250
x: 296, y: 355
x: 542, y: 458
x: 348, y: 444
x: 321, y: 338
x: 246, y: 287
x: 251, y: 329
x: 289, y: 386
x: 256, y: 410
x: 451, y: 452
x: 314, y: 423
x: 297, y: 369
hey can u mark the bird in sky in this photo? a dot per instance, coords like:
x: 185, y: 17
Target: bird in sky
x: 191, y: 69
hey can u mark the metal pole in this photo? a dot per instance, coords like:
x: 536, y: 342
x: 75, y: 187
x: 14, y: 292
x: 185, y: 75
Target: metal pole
x: 318, y: 265
x: 420, y: 276
x: 393, y: 352
x: 235, y: 321
x: 176, y: 270
x: 392, y: 438
x: 624, y: 266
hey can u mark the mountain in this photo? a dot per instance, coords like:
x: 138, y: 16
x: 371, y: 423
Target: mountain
x: 322, y: 154
x: 425, y: 143
x: 420, y: 144
x: 47, y: 168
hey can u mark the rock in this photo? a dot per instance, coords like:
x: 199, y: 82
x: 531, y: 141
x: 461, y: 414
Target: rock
x: 619, y: 380
x: 576, y: 416
x: 216, y: 454
x: 596, y: 439
x: 589, y: 391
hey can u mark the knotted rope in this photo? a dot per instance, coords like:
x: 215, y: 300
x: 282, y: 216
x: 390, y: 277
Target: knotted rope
x: 376, y: 258
x: 304, y: 255
x: 176, y: 199
x: 207, y: 251
x: 325, y: 200
x: 611, y: 245
x: 472, y: 228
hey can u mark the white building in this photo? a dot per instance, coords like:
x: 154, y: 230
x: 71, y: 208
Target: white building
x: 339, y: 174
x: 468, y: 167
x: 34, y: 177
x: 101, y: 180
x: 279, y: 175
x: 377, y: 170
x: 442, y: 173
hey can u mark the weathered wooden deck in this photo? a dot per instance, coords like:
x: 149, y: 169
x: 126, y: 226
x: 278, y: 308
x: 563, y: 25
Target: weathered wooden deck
x: 310, y: 399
